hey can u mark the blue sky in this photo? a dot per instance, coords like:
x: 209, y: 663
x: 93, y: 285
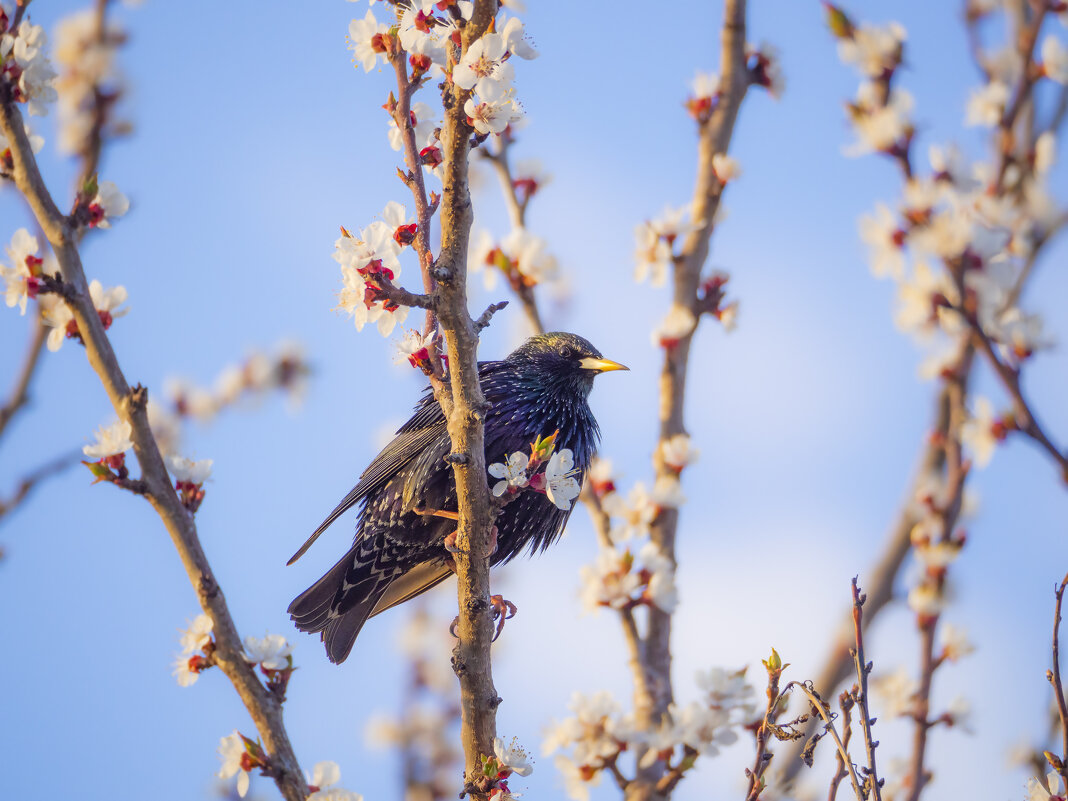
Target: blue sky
x: 255, y: 139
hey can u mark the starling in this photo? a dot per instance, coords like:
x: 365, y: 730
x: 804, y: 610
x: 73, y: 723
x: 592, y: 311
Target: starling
x: 399, y: 550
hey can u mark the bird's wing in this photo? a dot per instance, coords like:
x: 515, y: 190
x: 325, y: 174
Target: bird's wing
x: 409, y: 442
x: 415, y: 582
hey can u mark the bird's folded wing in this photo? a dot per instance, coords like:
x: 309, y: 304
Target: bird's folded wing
x: 415, y: 582
x: 404, y: 447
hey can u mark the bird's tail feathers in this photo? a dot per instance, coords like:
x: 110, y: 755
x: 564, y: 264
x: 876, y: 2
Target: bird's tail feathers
x: 339, y: 603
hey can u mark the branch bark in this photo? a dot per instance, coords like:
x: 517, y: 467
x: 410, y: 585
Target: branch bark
x: 130, y: 405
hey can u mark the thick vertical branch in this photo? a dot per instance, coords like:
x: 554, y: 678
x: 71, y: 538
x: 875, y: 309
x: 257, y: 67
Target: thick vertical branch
x: 465, y: 409
x: 715, y: 137
x: 130, y: 405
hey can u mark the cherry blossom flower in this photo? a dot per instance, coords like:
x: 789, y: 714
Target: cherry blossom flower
x: 632, y: 515
x: 23, y: 277
x: 1045, y: 152
x: 423, y: 122
x: 726, y: 168
x: 529, y: 178
x: 35, y: 76
x: 530, y: 256
x: 515, y: 38
x: 108, y: 203
x: 926, y: 600
x: 978, y: 432
x: 189, y: 471
x: 578, y: 779
x: 705, y: 84
x: 660, y: 589
x: 885, y: 239
x: 271, y: 651
x: 185, y: 671
x: 595, y: 733
x: 512, y: 472
x: 609, y: 581
x: 703, y: 728
x: 874, y: 50
x: 325, y: 775
x: 652, y: 255
x: 484, y: 64
x: 667, y: 492
x: 986, y: 105
x: 512, y: 757
x: 678, y: 323
x: 1055, y: 59
x: 166, y: 427
x: 414, y: 348
x: 1052, y: 790
x: 232, y: 751
x: 110, y: 441
x: 367, y: 41
x: 920, y: 299
x: 56, y: 314
x: 495, y: 110
x: 955, y: 642
x: 678, y: 452
x: 561, y: 487
x: 601, y: 476
x: 197, y: 635
x: 880, y: 128
x: 727, y: 690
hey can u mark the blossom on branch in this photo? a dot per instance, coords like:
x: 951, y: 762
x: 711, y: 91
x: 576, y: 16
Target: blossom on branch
x: 512, y: 472
x: 369, y: 40
x: 23, y: 278
x: 25, y: 67
x: 325, y: 777
x: 113, y: 440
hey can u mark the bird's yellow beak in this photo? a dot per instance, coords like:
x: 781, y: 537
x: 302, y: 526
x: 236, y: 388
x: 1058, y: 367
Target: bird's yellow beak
x: 601, y: 365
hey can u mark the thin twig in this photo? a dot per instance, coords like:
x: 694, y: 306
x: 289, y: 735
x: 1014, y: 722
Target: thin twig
x: 30, y: 481
x: 863, y: 670
x: 20, y: 393
x: 821, y: 710
x: 1054, y: 677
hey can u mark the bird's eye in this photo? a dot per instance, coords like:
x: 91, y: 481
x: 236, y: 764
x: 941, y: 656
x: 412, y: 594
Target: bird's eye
x: 567, y: 351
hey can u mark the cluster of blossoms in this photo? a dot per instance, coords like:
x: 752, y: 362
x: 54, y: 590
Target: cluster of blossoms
x: 507, y: 758
x: 26, y: 74
x: 521, y: 257
x: 764, y: 68
x: 958, y: 242
x: 599, y: 732
x: 368, y: 263
x: 426, y: 730
x: 89, y: 82
x: 655, y: 256
x: 240, y: 756
x: 619, y: 581
x: 286, y: 370
x: 427, y: 32
x: 519, y: 471
x: 198, y: 649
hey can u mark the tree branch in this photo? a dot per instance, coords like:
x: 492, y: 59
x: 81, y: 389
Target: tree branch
x: 20, y: 393
x: 130, y: 405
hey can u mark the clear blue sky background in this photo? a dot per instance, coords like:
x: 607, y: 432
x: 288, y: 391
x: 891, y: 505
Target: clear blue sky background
x: 255, y: 139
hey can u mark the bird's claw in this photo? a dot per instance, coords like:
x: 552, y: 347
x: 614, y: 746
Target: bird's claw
x: 450, y: 542
x: 502, y: 610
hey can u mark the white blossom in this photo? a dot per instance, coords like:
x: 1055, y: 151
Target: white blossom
x: 1052, y: 790
x: 577, y: 783
x: 955, y: 642
x: 1055, y: 59
x: 183, y: 674
x: 494, y: 110
x: 897, y: 692
x: 512, y: 756
x: 873, y: 50
x: 677, y: 452
x: 880, y: 127
x: 271, y: 651
x: 609, y: 581
x: 188, y: 470
x: 110, y: 440
x: 512, y: 472
x: 705, y: 84
x: 632, y: 516
x: 362, y: 33
x: 19, y: 277
x: 231, y: 749
x: 986, y: 104
x: 977, y: 432
x: 561, y: 487
x: 726, y: 168
x: 197, y: 635
x: 113, y: 203
x: 884, y: 237
x: 515, y: 38
x: 483, y: 64
x: 678, y: 323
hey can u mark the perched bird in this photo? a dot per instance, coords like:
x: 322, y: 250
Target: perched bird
x: 399, y: 549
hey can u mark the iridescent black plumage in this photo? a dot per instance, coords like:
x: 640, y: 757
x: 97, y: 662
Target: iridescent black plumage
x: 398, y: 553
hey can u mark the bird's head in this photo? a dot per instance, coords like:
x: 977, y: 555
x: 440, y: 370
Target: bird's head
x: 561, y: 361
